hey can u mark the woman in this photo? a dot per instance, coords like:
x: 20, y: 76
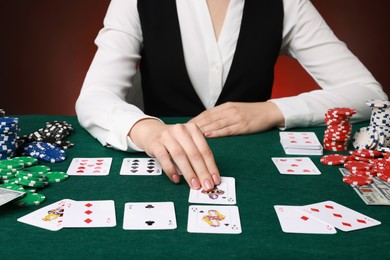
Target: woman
x: 212, y: 60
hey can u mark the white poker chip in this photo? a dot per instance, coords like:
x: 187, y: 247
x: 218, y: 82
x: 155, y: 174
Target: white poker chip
x: 365, y: 138
x: 378, y: 103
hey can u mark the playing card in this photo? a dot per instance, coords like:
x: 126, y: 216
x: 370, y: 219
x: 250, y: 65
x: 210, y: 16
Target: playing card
x: 303, y: 143
x: 89, y: 166
x: 214, y: 219
x: 293, y: 220
x: 296, y: 165
x: 140, y: 166
x: 340, y: 216
x: 224, y: 193
x: 7, y: 195
x: 149, y: 215
x: 90, y: 214
x: 49, y: 217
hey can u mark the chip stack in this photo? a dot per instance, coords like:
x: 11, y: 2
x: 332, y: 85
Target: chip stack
x: 54, y: 132
x: 375, y: 136
x: 338, y: 128
x: 9, y: 127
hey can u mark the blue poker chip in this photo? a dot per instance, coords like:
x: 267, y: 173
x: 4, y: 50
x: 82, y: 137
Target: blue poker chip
x: 44, y: 151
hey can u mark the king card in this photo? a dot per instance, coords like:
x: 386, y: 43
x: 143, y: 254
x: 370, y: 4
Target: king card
x: 224, y: 193
x: 214, y: 219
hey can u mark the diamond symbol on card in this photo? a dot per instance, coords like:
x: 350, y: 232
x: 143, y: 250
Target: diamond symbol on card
x: 88, y: 205
x: 329, y: 207
x: 88, y: 220
x: 315, y: 209
x: 304, y: 218
x: 88, y: 212
x: 361, y: 221
x: 337, y: 215
x: 346, y: 224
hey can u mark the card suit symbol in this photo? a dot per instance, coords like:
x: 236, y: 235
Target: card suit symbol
x: 294, y: 165
x: 99, y: 163
x: 88, y: 212
x: 151, y: 160
x: 88, y: 220
x: 100, y: 160
x: 234, y: 227
x: 149, y: 206
x: 80, y: 171
x: 337, y: 215
x: 346, y: 224
x: 361, y: 221
x: 315, y: 209
x: 134, y: 167
x: 96, y: 171
x: 283, y: 160
x: 201, y: 211
x: 134, y: 171
x: 226, y: 224
x: 150, y: 171
x: 135, y: 160
x: 81, y: 167
x: 83, y: 163
x: 224, y: 197
x: 304, y: 218
x: 149, y: 222
x: 329, y: 207
x: 98, y: 167
x: 88, y: 205
x: 84, y: 160
x: 308, y: 142
x: 135, y: 163
x: 306, y: 170
x: 151, y: 163
x: 289, y: 170
x: 150, y: 167
x: 293, y: 142
x: 298, y: 160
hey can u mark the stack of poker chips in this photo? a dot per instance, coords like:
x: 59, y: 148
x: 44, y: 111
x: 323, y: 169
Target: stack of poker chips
x: 9, y: 127
x: 54, y: 132
x: 338, y: 128
x: 23, y: 174
x: 364, y: 165
x: 376, y: 136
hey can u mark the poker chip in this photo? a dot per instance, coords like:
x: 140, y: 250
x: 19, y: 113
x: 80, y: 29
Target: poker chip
x: 44, y: 151
x: 56, y: 176
x: 357, y: 165
x: 12, y: 186
x: 366, y: 153
x: 30, y: 199
x: 26, y: 161
x: 384, y: 176
x: 38, y: 169
x: 358, y: 180
x: 333, y: 159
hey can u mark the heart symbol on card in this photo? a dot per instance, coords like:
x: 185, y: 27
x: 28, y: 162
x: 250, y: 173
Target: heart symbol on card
x: 83, y: 163
x: 99, y: 163
x: 293, y: 142
x: 306, y: 170
x: 283, y: 160
x: 294, y: 165
x: 298, y: 160
x: 289, y: 170
x: 81, y: 167
x: 80, y: 171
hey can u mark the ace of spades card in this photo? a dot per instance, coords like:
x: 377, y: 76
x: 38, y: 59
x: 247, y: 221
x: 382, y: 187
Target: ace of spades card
x: 140, y: 166
x: 149, y: 216
x: 224, y: 193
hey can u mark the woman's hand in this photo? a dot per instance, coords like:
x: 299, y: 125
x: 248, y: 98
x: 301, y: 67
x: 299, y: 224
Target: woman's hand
x: 181, y: 145
x: 234, y: 118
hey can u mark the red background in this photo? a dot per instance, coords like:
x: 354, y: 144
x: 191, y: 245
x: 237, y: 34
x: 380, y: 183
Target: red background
x: 47, y: 46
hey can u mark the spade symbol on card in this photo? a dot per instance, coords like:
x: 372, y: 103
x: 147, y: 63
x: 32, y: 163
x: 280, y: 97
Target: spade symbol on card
x: 149, y: 206
x: 149, y: 222
x: 201, y: 211
x: 226, y: 224
x: 135, y: 163
x: 134, y: 171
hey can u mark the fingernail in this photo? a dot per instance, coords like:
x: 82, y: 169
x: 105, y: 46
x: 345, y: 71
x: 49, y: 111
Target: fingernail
x: 215, y: 179
x: 176, y: 178
x: 207, y: 134
x: 195, y: 184
x: 207, y: 185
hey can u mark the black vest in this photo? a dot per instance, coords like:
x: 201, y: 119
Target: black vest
x: 167, y: 89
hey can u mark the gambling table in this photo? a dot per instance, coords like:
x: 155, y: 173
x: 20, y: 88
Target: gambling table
x: 259, y: 187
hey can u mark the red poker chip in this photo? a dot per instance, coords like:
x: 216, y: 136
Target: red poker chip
x: 358, y: 180
x: 358, y: 158
x: 343, y: 111
x: 357, y: 165
x: 370, y: 173
x: 367, y: 153
x: 333, y: 159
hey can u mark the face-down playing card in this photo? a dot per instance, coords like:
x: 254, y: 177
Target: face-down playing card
x: 140, y: 166
x: 224, y: 193
x: 89, y: 166
x: 295, y: 165
x: 214, y: 219
x: 149, y: 216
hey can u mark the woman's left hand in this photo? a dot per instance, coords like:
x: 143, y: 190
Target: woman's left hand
x: 236, y: 118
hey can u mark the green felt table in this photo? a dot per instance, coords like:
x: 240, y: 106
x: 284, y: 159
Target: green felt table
x: 259, y: 187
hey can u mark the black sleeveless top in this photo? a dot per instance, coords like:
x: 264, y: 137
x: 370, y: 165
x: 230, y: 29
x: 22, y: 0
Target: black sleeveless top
x: 167, y: 89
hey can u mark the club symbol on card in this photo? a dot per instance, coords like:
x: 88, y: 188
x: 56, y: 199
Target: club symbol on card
x: 150, y: 222
x: 214, y: 193
x: 149, y: 206
x: 213, y: 218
